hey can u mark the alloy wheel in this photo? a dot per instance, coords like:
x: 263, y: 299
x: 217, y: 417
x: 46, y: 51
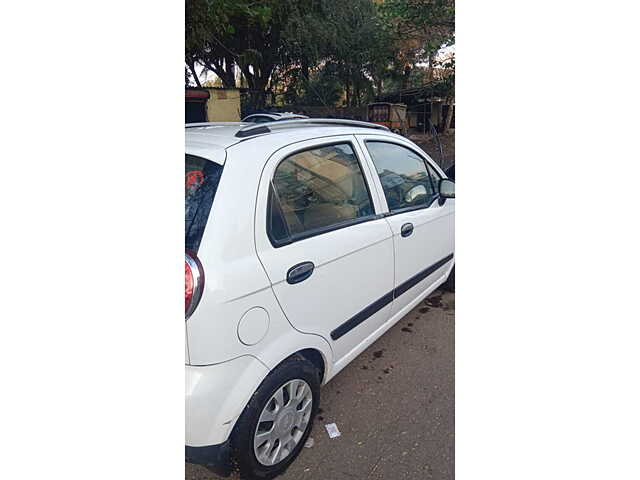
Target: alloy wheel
x: 282, y: 422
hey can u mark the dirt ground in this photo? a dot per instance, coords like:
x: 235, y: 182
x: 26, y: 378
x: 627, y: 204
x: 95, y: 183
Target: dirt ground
x: 428, y: 144
x: 394, y: 407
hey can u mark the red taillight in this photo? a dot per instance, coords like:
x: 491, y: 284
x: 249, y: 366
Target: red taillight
x: 188, y: 287
x: 193, y: 283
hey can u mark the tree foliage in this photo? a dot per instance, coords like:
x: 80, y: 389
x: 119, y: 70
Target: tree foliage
x: 430, y: 22
x: 317, y: 51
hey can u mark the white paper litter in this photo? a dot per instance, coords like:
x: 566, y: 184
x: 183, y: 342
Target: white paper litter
x: 309, y: 443
x: 332, y: 430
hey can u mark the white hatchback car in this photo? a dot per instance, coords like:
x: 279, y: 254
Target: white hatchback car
x: 306, y: 240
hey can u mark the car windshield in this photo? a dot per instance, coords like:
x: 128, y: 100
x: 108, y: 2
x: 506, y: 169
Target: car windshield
x: 201, y: 183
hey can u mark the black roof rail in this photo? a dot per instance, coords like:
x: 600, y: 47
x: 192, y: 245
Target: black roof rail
x: 257, y: 129
x: 210, y: 124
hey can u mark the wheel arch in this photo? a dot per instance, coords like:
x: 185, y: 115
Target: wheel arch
x: 316, y: 358
x: 313, y: 348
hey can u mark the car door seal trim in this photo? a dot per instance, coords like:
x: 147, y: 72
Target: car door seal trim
x: 361, y: 316
x: 385, y: 300
x: 417, y: 278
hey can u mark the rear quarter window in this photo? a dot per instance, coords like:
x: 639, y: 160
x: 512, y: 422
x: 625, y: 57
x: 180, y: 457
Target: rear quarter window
x: 202, y: 178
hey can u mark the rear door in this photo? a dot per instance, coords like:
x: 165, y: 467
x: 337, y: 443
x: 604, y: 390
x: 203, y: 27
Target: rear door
x: 328, y: 254
x: 422, y: 224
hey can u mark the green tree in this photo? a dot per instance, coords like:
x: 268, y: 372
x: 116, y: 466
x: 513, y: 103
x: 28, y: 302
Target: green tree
x: 447, y: 87
x: 421, y: 28
x: 300, y: 49
x: 207, y: 23
x: 356, y: 44
x: 223, y: 35
x: 322, y: 88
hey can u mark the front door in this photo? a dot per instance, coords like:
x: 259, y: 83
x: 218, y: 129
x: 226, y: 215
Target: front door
x: 422, y: 225
x: 329, y: 257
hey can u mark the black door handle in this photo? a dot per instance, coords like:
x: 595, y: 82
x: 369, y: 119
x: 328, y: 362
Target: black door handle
x: 406, y: 230
x: 300, y: 272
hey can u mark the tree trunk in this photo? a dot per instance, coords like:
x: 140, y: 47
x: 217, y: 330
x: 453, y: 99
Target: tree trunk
x: 447, y: 122
x: 256, y: 96
x: 430, y: 69
x: 192, y: 67
x: 257, y: 81
x: 304, y: 69
x: 227, y: 77
x: 405, y: 76
x: 379, y: 86
x: 229, y: 72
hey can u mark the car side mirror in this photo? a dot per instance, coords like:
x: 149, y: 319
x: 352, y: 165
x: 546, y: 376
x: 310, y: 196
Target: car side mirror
x: 447, y: 189
x: 414, y: 193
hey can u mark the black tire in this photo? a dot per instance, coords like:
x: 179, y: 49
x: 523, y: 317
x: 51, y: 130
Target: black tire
x: 295, y: 367
x: 450, y: 284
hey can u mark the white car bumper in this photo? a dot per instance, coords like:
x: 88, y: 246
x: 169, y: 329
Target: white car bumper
x: 216, y: 395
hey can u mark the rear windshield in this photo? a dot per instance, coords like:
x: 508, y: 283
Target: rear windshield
x: 201, y: 182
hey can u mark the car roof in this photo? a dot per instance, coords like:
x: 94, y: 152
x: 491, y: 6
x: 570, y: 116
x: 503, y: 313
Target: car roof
x: 210, y: 140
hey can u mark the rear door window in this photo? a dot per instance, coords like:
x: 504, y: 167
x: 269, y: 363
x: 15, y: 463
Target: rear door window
x: 316, y: 190
x: 201, y: 183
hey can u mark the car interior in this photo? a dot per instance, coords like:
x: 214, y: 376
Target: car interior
x: 318, y: 188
